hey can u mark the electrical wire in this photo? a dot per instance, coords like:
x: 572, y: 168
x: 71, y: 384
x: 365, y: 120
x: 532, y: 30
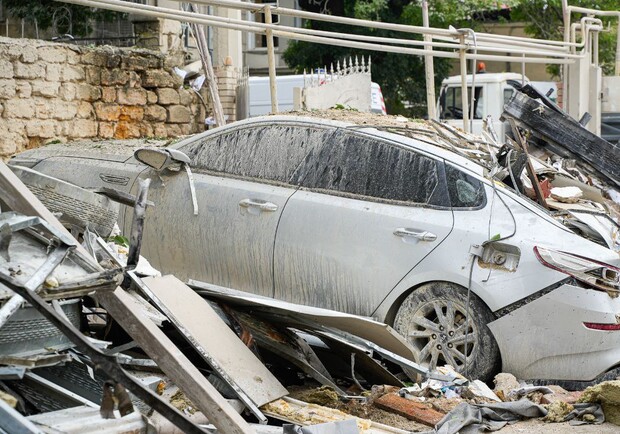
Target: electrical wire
x: 473, y: 260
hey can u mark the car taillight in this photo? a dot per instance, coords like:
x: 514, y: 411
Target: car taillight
x: 595, y: 274
x: 599, y: 326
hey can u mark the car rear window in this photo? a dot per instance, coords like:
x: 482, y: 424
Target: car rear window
x: 465, y: 191
x: 371, y: 167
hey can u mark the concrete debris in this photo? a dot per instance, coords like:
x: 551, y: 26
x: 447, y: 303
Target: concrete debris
x: 566, y: 194
x: 301, y: 413
x: 557, y: 411
x: 607, y: 394
x: 504, y: 384
x: 480, y: 390
x: 8, y: 398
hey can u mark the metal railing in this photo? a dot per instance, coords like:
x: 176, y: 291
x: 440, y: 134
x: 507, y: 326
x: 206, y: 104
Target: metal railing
x: 462, y: 44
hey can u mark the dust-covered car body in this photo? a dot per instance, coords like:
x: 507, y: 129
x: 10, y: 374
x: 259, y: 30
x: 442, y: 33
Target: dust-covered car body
x: 360, y: 220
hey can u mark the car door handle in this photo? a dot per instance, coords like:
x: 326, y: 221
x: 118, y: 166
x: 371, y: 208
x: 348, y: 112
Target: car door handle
x: 412, y: 233
x: 259, y: 204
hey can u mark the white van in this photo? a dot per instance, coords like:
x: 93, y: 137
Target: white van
x: 260, y: 96
x: 492, y: 91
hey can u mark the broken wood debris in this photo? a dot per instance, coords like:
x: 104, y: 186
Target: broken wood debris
x: 564, y: 134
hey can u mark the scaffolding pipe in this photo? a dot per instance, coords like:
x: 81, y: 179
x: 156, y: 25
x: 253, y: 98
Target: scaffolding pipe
x: 413, y: 51
x: 429, y: 67
x: 292, y: 33
x: 531, y: 42
x: 205, y: 57
x: 271, y: 61
x: 464, y: 108
x: 150, y: 10
x: 567, y: 11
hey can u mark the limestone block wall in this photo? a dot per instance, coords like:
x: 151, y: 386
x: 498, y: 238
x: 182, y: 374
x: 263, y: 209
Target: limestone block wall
x: 51, y: 92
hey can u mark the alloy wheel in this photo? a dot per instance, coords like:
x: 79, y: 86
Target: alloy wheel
x: 441, y: 334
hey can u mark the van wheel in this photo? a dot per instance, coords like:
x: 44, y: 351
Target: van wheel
x: 433, y: 319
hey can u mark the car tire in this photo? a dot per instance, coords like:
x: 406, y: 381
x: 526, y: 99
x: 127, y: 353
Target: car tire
x: 433, y: 320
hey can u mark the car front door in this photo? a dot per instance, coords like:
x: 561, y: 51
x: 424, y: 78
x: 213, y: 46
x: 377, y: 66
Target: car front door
x: 367, y: 212
x: 240, y: 178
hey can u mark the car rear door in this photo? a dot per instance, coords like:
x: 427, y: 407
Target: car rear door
x: 240, y: 178
x: 367, y: 212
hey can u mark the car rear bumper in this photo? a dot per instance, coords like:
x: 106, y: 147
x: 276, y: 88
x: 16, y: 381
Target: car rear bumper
x: 547, y: 338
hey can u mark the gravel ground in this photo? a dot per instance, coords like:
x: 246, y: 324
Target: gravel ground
x: 539, y: 427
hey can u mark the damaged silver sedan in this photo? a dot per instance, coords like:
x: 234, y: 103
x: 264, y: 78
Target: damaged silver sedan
x: 361, y: 220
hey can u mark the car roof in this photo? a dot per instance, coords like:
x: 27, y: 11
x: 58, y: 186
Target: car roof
x: 363, y: 123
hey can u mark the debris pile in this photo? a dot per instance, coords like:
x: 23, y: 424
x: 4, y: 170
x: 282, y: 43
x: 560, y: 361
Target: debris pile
x: 92, y: 338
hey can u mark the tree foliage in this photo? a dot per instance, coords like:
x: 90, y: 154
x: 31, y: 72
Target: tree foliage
x: 402, y: 76
x: 62, y: 17
x: 543, y: 19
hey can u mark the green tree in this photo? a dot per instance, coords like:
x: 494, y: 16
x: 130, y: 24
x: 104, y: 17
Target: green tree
x: 48, y: 12
x: 544, y: 20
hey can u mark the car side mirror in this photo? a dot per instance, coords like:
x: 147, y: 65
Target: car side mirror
x: 160, y: 159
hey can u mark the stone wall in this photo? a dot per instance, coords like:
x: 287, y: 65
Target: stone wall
x: 59, y: 92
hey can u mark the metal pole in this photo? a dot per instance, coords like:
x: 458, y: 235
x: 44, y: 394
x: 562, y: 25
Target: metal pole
x: 271, y: 60
x: 595, y: 49
x: 618, y: 49
x: 464, y: 102
x: 429, y: 66
x: 566, y: 16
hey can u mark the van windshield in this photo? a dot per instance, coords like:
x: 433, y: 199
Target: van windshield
x: 452, y: 105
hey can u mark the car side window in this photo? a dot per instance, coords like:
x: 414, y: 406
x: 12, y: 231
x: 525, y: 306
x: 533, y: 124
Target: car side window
x: 371, y: 167
x: 269, y: 152
x: 465, y: 191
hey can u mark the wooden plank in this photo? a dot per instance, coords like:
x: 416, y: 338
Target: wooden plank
x: 560, y: 130
x: 213, y: 339
x: 174, y: 363
x: 540, y: 197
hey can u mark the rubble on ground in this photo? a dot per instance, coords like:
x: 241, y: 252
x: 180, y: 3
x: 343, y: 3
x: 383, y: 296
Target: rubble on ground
x: 557, y: 411
x: 607, y: 394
